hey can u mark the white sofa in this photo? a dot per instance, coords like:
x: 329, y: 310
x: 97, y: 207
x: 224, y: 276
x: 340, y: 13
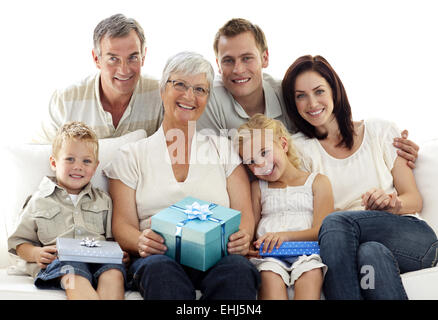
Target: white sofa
x: 27, y: 164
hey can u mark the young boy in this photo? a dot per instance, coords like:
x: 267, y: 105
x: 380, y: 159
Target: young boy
x: 68, y: 206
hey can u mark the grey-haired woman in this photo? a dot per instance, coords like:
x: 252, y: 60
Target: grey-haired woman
x: 152, y: 174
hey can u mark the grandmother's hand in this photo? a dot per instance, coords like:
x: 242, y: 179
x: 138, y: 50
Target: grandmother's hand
x: 150, y: 243
x: 238, y: 243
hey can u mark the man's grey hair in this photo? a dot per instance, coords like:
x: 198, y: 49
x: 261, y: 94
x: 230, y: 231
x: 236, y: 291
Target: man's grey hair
x: 117, y: 26
x: 187, y: 63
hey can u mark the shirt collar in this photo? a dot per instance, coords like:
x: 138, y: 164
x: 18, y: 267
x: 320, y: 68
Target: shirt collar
x: 48, y: 186
x: 272, y: 103
x: 131, y: 101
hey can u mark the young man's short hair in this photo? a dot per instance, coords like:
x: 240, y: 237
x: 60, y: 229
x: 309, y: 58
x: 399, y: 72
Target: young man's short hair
x: 78, y: 131
x: 237, y: 26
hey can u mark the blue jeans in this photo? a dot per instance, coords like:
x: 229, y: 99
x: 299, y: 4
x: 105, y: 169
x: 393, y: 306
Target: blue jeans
x: 159, y: 277
x: 50, y: 277
x: 366, y: 251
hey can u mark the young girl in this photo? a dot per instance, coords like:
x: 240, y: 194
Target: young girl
x: 289, y: 205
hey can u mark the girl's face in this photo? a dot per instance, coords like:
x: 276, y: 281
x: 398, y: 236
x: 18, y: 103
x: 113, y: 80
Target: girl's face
x: 314, y: 99
x: 265, y: 155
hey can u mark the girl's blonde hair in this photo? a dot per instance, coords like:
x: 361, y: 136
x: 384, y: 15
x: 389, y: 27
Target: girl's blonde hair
x: 78, y: 131
x: 261, y: 122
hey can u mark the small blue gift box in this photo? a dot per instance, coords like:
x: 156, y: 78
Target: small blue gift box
x: 292, y: 249
x: 195, y: 231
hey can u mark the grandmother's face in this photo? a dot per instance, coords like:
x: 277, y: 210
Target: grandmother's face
x: 181, y: 106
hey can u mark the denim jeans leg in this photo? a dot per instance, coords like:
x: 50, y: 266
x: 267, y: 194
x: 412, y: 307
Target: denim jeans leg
x: 339, y: 242
x: 407, y: 238
x: 232, y: 278
x: 376, y: 262
x: 159, y: 277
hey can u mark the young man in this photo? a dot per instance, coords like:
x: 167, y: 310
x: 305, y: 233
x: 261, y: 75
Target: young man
x: 242, y: 89
x: 118, y: 99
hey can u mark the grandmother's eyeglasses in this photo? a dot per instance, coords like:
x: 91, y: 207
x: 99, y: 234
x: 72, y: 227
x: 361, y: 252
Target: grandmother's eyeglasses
x: 179, y: 85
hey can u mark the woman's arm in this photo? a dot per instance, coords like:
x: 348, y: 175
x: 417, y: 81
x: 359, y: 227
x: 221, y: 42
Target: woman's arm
x: 404, y: 182
x: 406, y: 200
x: 240, y: 199
x: 125, y: 226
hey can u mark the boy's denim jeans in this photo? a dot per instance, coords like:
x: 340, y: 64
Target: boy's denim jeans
x: 366, y: 251
x: 159, y: 277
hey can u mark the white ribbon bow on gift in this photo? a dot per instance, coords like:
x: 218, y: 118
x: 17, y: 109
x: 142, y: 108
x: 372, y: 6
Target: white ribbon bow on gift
x: 197, y: 211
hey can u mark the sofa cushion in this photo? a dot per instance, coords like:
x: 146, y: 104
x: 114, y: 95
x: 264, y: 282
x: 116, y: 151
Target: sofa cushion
x: 20, y: 287
x: 27, y: 164
x: 426, y: 176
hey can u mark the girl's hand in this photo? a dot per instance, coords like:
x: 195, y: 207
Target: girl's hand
x: 271, y: 240
x: 45, y: 255
x: 377, y: 199
x: 253, y: 252
x: 150, y: 243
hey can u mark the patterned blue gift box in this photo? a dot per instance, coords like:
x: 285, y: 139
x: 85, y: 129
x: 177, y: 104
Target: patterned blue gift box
x: 195, y: 231
x: 292, y: 249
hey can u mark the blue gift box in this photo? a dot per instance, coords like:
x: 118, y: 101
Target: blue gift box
x: 195, y: 231
x: 292, y: 249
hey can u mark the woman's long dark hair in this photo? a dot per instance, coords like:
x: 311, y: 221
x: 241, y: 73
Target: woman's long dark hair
x: 341, y: 109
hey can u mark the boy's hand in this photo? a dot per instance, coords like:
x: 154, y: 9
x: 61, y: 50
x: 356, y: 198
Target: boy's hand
x: 45, y: 255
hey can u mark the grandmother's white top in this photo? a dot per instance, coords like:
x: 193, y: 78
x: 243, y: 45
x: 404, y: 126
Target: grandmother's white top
x: 369, y: 167
x: 145, y: 166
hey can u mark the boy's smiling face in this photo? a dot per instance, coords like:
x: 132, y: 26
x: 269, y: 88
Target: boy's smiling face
x: 75, y: 165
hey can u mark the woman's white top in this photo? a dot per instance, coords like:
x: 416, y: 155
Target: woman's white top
x: 286, y: 209
x: 146, y: 167
x: 369, y: 167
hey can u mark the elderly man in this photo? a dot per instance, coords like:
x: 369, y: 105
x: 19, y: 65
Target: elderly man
x: 242, y: 89
x: 118, y: 99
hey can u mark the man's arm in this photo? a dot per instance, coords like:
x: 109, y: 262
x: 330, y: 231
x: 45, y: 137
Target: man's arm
x: 407, y: 149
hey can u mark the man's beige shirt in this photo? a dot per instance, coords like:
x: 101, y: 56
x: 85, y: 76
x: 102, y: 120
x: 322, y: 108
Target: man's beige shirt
x: 50, y: 213
x: 81, y: 102
x: 223, y: 113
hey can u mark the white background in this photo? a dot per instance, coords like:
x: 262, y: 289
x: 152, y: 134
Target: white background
x: 385, y: 51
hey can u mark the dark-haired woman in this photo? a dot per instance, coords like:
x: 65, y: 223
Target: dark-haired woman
x: 376, y: 233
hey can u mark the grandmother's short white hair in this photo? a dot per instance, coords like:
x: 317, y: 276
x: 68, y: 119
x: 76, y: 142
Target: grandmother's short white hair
x: 187, y: 63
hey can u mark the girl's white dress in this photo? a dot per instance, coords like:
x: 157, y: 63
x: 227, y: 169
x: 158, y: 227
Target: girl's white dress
x: 287, y: 209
